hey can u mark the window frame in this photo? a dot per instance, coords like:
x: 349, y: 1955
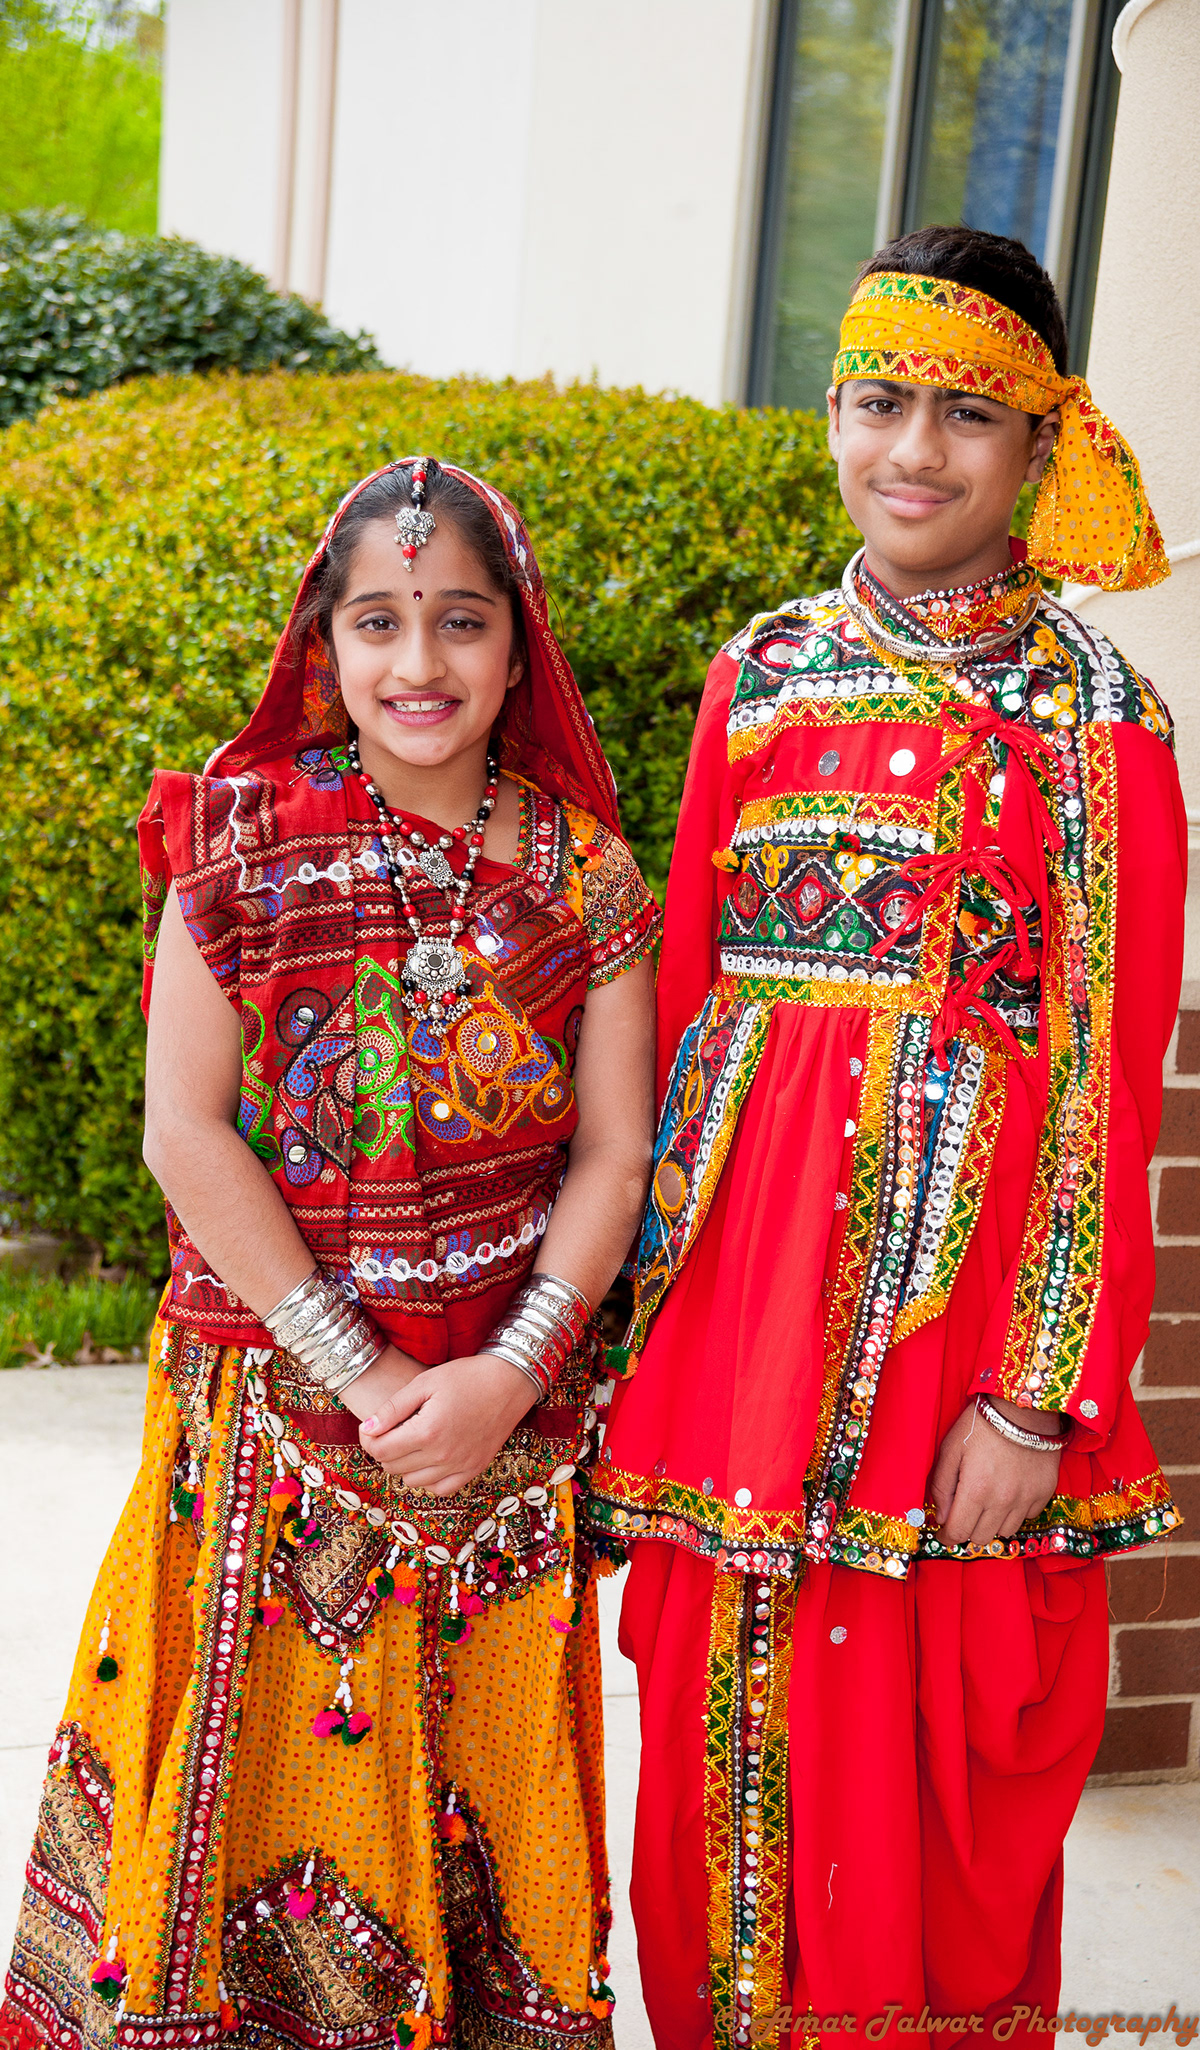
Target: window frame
x: 1091, y: 86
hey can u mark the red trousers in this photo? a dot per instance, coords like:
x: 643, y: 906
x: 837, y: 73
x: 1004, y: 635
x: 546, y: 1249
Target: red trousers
x: 938, y: 1734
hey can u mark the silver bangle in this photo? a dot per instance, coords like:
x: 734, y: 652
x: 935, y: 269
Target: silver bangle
x: 1013, y: 1432
x: 543, y: 1324
x: 331, y: 1337
x: 516, y: 1359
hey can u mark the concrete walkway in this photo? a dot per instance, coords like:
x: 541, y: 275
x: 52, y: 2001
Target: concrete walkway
x: 69, y: 1443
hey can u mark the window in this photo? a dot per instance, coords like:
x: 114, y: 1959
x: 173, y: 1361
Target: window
x: 891, y: 114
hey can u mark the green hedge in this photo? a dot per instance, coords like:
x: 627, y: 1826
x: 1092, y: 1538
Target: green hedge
x: 80, y: 311
x: 150, y: 543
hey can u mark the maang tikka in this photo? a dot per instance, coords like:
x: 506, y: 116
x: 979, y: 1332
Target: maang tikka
x: 413, y: 524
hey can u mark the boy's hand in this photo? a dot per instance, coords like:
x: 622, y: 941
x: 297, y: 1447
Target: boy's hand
x: 983, y: 1486
x: 449, y: 1423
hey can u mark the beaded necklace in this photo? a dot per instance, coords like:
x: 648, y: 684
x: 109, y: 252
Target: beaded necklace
x: 435, y: 969
x: 931, y: 652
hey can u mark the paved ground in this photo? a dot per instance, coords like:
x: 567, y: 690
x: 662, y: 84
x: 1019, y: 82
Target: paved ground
x: 68, y: 1451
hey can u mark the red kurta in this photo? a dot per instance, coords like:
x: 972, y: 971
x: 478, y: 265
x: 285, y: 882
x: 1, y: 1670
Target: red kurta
x: 846, y: 1242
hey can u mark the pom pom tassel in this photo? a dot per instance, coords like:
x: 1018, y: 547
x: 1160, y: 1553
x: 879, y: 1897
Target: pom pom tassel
x: 601, y: 1999
x: 302, y: 1899
x: 107, y: 1668
x: 414, y: 2028
x: 108, y: 1974
x: 341, y: 1718
x: 566, y: 1612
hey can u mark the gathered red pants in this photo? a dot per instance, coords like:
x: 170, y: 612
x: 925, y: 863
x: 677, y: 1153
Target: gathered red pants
x: 939, y: 1734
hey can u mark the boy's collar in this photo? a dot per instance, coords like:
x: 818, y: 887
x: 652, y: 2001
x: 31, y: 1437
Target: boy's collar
x: 961, y: 613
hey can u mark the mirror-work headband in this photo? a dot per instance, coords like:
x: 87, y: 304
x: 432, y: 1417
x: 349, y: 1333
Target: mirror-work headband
x: 1091, y: 521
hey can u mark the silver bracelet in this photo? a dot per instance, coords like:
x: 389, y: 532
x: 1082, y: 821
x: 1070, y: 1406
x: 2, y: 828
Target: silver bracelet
x: 331, y: 1337
x: 541, y: 1328
x: 1014, y: 1433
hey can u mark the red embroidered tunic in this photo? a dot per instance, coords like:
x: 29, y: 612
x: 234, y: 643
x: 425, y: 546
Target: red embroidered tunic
x: 420, y: 1166
x: 921, y: 964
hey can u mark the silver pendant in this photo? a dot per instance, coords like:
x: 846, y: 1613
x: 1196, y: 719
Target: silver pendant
x: 437, y: 967
x: 413, y: 528
x: 437, y: 868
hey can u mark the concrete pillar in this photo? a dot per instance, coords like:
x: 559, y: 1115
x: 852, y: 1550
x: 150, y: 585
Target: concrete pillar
x: 1144, y: 359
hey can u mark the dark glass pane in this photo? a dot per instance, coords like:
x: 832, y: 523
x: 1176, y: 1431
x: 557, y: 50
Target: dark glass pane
x: 988, y: 157
x: 843, y: 60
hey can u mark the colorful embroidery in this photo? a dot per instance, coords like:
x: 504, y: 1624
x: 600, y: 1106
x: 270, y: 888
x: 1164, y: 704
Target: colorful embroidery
x: 713, y: 1070
x: 624, y: 1507
x: 746, y: 1799
x: 820, y: 896
x: 356, y: 1109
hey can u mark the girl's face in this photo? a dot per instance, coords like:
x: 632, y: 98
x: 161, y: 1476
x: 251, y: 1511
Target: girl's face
x: 424, y: 660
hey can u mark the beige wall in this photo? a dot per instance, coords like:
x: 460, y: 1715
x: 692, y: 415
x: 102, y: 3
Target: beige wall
x: 1145, y: 357
x: 568, y: 186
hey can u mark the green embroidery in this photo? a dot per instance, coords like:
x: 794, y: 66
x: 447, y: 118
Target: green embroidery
x: 383, y: 1110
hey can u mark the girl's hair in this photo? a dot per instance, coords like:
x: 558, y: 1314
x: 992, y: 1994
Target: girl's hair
x: 452, y: 504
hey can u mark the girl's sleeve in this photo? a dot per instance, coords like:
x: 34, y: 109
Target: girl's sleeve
x: 621, y: 916
x: 1075, y: 1313
x: 689, y: 962
x: 203, y: 834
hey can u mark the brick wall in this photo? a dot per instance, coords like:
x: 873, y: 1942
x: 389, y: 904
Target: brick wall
x: 1152, y: 1730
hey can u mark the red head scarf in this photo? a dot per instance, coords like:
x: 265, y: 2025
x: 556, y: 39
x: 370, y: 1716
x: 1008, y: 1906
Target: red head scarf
x: 546, y: 731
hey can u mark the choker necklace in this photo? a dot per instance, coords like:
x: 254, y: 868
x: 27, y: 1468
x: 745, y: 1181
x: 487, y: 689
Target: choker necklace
x: 940, y: 654
x: 435, y: 969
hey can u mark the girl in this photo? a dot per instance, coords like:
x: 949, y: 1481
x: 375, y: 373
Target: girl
x: 330, y: 1768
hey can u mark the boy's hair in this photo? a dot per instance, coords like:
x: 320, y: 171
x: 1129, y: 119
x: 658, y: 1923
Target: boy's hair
x: 994, y: 264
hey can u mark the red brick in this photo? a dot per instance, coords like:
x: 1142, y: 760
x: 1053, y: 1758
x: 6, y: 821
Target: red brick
x: 1174, y: 1427
x: 1185, y: 1488
x: 1144, y: 1739
x: 1179, y: 1202
x: 1180, y: 1132
x: 1187, y: 1046
x: 1172, y: 1355
x: 1158, y: 1586
x: 1159, y: 1661
x: 1177, y: 1285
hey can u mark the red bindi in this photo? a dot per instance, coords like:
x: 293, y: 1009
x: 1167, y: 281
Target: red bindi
x: 418, y: 594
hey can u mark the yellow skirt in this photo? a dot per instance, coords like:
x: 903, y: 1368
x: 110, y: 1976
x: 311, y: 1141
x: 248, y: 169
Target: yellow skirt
x: 266, y: 1822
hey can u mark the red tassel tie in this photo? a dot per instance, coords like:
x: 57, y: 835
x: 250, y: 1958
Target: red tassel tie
x: 981, y: 723
x: 941, y: 872
x: 962, y: 997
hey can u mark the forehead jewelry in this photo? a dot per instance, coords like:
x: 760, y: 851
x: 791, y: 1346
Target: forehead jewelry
x: 413, y: 524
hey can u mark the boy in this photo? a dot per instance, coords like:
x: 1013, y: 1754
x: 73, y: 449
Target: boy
x: 921, y: 964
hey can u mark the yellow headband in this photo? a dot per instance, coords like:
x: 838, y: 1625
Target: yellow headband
x: 1091, y: 518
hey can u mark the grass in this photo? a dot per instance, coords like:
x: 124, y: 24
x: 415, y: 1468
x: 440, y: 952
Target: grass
x: 45, y: 1321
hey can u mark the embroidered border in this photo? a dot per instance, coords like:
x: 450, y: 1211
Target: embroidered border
x: 1059, y: 1280
x: 962, y: 1162
x: 624, y: 1507
x: 715, y: 1065
x: 746, y: 1799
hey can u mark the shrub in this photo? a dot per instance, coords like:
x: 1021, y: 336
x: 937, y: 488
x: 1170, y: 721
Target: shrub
x: 82, y: 104
x: 151, y: 541
x: 44, y: 1319
x: 79, y: 311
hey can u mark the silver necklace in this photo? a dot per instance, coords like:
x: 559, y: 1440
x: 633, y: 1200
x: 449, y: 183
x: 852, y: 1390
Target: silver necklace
x: 942, y: 654
x: 435, y: 969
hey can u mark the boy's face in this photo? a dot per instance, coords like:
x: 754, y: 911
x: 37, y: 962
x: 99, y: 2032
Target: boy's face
x: 930, y: 477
